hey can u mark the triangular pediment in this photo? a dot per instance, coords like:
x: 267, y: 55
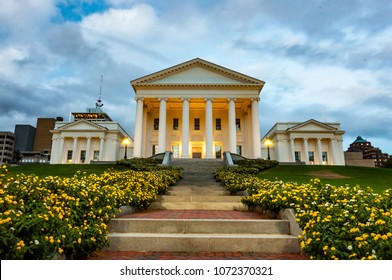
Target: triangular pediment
x: 197, y: 72
x: 82, y: 125
x: 311, y: 125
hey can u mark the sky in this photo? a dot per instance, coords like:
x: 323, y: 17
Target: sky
x: 325, y: 60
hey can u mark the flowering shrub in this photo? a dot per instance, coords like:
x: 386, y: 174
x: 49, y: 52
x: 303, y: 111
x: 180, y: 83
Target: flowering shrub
x: 41, y: 218
x: 337, y: 222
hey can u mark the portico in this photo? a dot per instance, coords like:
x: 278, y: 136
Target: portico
x: 197, y: 109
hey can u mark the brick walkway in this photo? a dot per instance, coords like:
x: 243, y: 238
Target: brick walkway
x: 117, y: 255
x: 197, y: 214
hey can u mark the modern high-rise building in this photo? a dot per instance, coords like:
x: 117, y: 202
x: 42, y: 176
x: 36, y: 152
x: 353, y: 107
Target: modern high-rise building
x: 7, y: 143
x: 43, y: 136
x: 24, y: 134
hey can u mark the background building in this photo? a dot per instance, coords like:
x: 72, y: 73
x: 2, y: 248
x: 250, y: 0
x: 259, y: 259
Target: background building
x: 92, y: 136
x: 43, y: 136
x: 365, y: 148
x: 7, y: 144
x: 24, y: 134
x: 310, y: 142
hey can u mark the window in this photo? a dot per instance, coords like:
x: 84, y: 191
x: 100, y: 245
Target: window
x: 175, y: 124
x: 239, y: 150
x: 175, y: 149
x: 154, y: 149
x: 218, y: 124
x: 82, y: 156
x: 311, y: 157
x: 156, y: 124
x: 297, y: 156
x: 197, y: 124
x: 96, y: 155
x: 218, y: 151
x: 69, y: 155
x: 325, y: 157
x: 237, y: 124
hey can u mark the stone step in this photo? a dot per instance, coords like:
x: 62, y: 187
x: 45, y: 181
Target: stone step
x: 196, y: 226
x: 199, y: 198
x: 160, y: 242
x: 197, y: 206
x: 197, y: 192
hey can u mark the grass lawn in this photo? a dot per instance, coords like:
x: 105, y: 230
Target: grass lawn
x: 378, y: 179
x: 61, y: 170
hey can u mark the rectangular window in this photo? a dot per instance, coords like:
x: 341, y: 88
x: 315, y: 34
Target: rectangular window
x: 238, y: 124
x: 69, y: 155
x: 154, y: 149
x: 218, y: 124
x: 175, y: 149
x: 218, y: 151
x: 156, y: 124
x: 297, y: 156
x: 325, y: 157
x: 311, y: 157
x: 239, y: 150
x: 197, y: 124
x: 175, y: 124
x: 96, y: 155
x: 82, y: 156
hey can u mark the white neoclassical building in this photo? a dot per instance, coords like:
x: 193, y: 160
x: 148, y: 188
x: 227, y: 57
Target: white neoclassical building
x: 310, y: 142
x: 91, y: 136
x: 197, y: 109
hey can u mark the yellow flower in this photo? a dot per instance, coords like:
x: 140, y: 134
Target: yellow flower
x: 60, y: 250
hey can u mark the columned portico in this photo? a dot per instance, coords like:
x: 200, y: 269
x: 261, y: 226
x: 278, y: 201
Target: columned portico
x: 197, y: 109
x: 75, y: 145
x: 310, y: 142
x: 88, y: 150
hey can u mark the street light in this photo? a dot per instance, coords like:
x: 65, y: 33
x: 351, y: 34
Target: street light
x: 126, y: 142
x: 268, y: 143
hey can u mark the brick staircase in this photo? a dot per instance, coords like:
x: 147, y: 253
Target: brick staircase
x: 199, y: 191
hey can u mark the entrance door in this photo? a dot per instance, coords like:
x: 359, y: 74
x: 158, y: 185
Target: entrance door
x: 196, y: 152
x: 218, y: 151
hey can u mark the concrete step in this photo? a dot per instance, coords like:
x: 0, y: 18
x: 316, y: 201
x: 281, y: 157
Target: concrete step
x: 160, y: 242
x: 197, y: 206
x: 196, y: 226
x: 185, y: 192
x: 199, y: 198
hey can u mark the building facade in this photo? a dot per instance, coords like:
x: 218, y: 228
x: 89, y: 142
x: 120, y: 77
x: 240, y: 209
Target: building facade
x: 309, y: 142
x: 368, y: 151
x: 197, y: 109
x: 92, y: 136
x: 24, y: 134
x: 7, y: 144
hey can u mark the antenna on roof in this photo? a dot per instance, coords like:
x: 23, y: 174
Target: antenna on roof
x: 99, y: 103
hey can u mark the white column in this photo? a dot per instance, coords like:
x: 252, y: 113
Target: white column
x: 232, y: 129
x: 162, y: 126
x: 138, y: 135
x: 256, y: 128
x: 209, y: 136
x: 333, y: 151
x: 320, y: 153
x: 306, y: 150
x: 88, y: 148
x: 292, y: 150
x: 61, y: 151
x: 74, y: 148
x: 101, y: 143
x: 185, y: 128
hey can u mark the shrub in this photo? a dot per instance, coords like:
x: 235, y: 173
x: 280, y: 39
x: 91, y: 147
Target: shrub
x: 337, y: 222
x: 42, y: 218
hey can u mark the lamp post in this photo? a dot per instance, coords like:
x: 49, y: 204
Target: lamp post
x: 268, y: 143
x: 126, y: 142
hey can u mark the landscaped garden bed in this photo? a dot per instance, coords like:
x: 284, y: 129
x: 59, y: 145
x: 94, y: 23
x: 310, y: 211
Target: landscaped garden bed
x: 338, y: 222
x: 43, y: 218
